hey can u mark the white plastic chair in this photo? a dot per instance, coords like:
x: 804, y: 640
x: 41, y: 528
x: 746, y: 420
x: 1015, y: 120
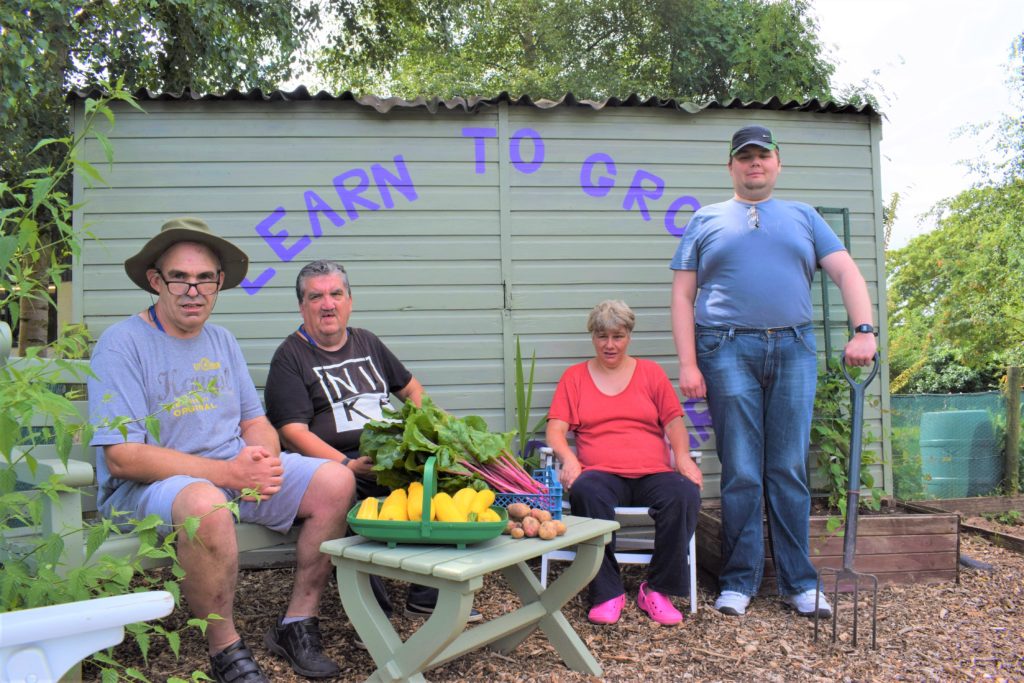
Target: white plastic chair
x: 40, y: 645
x: 634, y: 542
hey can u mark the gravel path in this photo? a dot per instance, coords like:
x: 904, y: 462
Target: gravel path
x: 971, y: 631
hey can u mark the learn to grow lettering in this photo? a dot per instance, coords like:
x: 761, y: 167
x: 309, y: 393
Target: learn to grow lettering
x: 377, y: 188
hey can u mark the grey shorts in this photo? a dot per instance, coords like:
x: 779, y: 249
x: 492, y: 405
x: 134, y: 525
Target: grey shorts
x: 133, y: 500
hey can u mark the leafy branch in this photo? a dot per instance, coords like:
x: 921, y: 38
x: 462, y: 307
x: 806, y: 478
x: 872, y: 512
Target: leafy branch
x: 831, y: 430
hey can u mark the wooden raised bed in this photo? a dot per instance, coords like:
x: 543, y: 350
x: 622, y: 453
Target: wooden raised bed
x: 898, y: 546
x: 973, y: 507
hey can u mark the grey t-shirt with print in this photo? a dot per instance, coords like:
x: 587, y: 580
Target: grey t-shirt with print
x: 142, y: 371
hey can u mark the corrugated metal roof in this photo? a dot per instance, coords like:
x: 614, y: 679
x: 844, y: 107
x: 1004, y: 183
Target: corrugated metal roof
x: 473, y: 104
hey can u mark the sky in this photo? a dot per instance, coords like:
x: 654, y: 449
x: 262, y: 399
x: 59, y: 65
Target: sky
x: 941, y: 65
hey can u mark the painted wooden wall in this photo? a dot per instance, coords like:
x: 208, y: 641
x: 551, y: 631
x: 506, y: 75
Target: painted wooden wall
x: 460, y: 231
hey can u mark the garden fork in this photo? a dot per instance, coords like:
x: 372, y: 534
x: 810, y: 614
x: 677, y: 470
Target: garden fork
x: 848, y: 575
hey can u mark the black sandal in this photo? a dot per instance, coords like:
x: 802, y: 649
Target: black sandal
x: 235, y: 664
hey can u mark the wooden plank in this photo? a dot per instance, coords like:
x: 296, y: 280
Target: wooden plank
x: 927, y: 554
x: 1009, y: 541
x: 945, y: 557
x: 975, y: 506
x: 883, y: 545
x: 876, y: 525
x: 868, y: 525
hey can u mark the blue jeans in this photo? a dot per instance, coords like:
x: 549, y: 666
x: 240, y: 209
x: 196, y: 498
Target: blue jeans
x: 761, y: 386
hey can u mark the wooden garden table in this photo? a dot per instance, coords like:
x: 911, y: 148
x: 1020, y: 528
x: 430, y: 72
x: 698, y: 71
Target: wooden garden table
x: 458, y: 575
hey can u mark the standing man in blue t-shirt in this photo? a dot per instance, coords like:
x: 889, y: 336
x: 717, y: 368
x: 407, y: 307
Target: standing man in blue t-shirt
x: 741, y: 319
x: 214, y: 443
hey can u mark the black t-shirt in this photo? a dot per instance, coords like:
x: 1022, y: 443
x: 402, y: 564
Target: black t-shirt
x: 334, y: 392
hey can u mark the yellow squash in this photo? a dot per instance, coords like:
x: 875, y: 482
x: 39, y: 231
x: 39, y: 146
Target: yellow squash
x: 395, y: 507
x: 367, y: 509
x: 489, y: 515
x: 464, y: 499
x: 415, y: 502
x: 483, y: 500
x: 447, y: 510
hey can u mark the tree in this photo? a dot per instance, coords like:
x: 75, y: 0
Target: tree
x: 964, y: 281
x: 50, y: 46
x: 956, y: 294
x: 686, y: 49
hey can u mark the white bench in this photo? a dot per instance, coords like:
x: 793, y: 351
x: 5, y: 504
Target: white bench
x: 41, y: 644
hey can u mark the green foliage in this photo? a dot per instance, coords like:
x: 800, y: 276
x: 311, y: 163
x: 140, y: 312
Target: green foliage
x: 907, y: 474
x: 50, y: 46
x: 400, y: 444
x: 956, y: 293
x: 524, y: 401
x: 960, y: 288
x: 940, y: 369
x: 1009, y: 518
x: 36, y: 233
x: 1005, y: 136
x: 688, y: 49
x: 33, y: 391
x: 831, y: 430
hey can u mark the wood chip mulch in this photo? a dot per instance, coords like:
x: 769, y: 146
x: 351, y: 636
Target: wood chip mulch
x: 945, y: 632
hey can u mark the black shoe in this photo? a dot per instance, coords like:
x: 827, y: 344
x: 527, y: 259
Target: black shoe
x: 423, y: 611
x: 299, y: 643
x: 235, y: 664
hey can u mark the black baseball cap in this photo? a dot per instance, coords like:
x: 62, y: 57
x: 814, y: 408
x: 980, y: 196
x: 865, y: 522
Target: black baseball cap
x: 752, y: 135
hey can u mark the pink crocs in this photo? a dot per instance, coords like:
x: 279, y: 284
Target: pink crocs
x: 658, y: 606
x: 608, y: 611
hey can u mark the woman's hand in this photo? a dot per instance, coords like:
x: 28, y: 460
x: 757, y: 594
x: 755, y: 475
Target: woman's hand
x: 571, y: 469
x: 689, y: 469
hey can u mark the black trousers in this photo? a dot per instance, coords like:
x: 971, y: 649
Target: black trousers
x: 417, y: 595
x: 673, y: 501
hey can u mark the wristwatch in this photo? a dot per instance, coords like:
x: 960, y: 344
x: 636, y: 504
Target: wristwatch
x: 865, y: 328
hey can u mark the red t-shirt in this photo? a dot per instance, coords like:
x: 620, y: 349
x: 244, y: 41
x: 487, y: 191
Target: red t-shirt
x: 622, y: 434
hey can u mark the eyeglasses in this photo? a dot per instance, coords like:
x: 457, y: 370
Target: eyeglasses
x: 182, y: 288
x: 752, y: 218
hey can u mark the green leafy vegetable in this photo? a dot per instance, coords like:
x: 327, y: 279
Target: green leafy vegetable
x: 400, y: 444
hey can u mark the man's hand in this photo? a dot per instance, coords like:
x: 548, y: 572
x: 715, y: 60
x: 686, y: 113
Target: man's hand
x: 361, y: 465
x: 689, y: 469
x: 691, y: 382
x: 257, y: 468
x: 860, y: 351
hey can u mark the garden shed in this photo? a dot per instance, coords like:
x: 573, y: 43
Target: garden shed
x: 464, y: 224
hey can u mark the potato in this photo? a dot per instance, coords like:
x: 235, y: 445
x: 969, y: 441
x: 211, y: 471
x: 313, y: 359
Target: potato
x: 517, y: 532
x: 540, y: 514
x: 560, y: 525
x: 530, y: 526
x: 548, y: 530
x: 518, y: 511
x: 510, y: 526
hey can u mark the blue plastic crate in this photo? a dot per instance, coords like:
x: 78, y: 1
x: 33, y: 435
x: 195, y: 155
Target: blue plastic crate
x: 550, y: 501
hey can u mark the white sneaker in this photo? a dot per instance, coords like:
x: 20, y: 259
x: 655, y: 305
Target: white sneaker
x: 803, y: 603
x: 732, y: 603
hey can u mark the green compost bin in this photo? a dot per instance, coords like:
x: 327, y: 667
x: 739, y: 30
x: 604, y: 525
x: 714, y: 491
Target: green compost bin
x: 959, y: 455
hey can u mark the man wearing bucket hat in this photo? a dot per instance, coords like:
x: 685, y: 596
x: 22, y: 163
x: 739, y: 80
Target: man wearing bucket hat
x: 741, y: 319
x: 215, y: 445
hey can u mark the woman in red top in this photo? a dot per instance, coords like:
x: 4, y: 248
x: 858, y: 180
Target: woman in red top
x: 625, y: 414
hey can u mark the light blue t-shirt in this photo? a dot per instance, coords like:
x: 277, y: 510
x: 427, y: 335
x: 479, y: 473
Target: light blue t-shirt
x: 756, y: 277
x: 140, y: 370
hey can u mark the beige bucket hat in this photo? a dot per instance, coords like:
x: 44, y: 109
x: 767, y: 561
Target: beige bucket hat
x: 233, y: 261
